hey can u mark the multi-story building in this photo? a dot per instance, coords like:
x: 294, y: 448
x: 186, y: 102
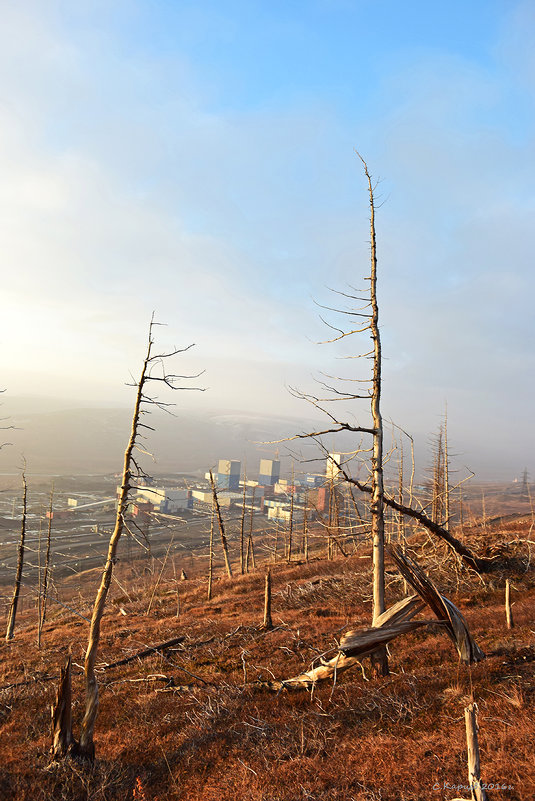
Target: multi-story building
x: 332, y: 468
x: 269, y: 473
x: 228, y: 474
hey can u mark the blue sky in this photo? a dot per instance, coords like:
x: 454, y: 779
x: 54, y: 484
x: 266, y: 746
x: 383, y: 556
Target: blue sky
x: 197, y: 159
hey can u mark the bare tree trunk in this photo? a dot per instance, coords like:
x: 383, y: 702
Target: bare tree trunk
x: 221, y: 526
x: 508, y: 610
x: 330, y: 522
x: 211, y: 557
x: 377, y: 505
x: 268, y: 623
x: 62, y: 740
x: 290, y: 531
x: 446, y: 472
x: 305, y: 529
x: 177, y: 590
x: 47, y: 557
x: 401, y: 516
x: 20, y: 562
x: 242, y: 528
x: 39, y: 581
x: 86, y: 746
x: 250, y: 544
x: 474, y: 771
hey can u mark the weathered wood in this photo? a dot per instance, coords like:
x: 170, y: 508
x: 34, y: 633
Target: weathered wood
x: 242, y: 527
x: 62, y: 740
x: 472, y: 744
x: 355, y: 645
x: 221, y: 526
x: 211, y: 557
x: 250, y: 556
x: 380, y: 660
x: 20, y: 562
x: 47, y: 559
x: 268, y: 623
x: 508, y: 610
x: 443, y: 608
x: 153, y: 649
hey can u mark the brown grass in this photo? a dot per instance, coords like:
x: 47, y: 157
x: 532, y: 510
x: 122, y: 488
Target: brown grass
x: 195, y: 723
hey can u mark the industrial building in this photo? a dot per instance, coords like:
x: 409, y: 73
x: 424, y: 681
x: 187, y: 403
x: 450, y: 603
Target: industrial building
x: 228, y: 474
x: 167, y: 501
x: 332, y: 468
x: 269, y: 473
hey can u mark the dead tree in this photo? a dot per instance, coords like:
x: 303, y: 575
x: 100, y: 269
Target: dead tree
x: 508, y: 608
x: 20, y: 562
x: 305, y: 528
x: 153, y: 370
x: 477, y: 791
x: 377, y: 506
x: 398, y: 620
x: 291, y: 529
x: 438, y: 494
x: 242, y: 527
x: 221, y: 526
x: 250, y: 557
x: 268, y: 623
x: 47, y: 560
x: 211, y: 556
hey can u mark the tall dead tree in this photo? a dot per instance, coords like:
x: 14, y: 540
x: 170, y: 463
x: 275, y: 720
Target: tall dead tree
x: 437, y: 483
x: 221, y: 526
x: 242, y: 527
x: 211, y: 556
x: 153, y: 370
x: 377, y: 505
x: 20, y: 563
x: 250, y: 557
x: 47, y: 562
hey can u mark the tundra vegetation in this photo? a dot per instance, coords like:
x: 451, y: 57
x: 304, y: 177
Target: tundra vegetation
x: 254, y: 670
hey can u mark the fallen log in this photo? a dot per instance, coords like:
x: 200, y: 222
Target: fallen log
x: 355, y: 645
x: 153, y: 649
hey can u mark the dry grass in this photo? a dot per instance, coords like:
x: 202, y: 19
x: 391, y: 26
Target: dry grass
x: 195, y: 722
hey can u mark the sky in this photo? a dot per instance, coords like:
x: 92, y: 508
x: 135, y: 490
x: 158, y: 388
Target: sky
x: 196, y: 159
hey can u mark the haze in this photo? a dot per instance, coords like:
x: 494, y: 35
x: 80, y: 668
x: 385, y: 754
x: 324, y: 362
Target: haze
x: 197, y: 160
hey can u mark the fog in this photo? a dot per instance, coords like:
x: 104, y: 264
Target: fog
x: 201, y: 164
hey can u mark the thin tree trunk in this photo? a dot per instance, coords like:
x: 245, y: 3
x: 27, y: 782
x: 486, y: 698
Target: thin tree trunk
x: 401, y: 516
x: 177, y: 590
x: 211, y: 557
x: 20, y: 562
x: 290, y: 531
x: 474, y: 770
x: 508, y: 610
x: 39, y: 581
x: 62, y: 739
x: 446, y: 472
x: 87, y: 747
x: 377, y: 488
x: 268, y: 623
x: 250, y: 543
x: 47, y: 557
x: 221, y: 527
x: 305, y: 529
x: 242, y: 528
